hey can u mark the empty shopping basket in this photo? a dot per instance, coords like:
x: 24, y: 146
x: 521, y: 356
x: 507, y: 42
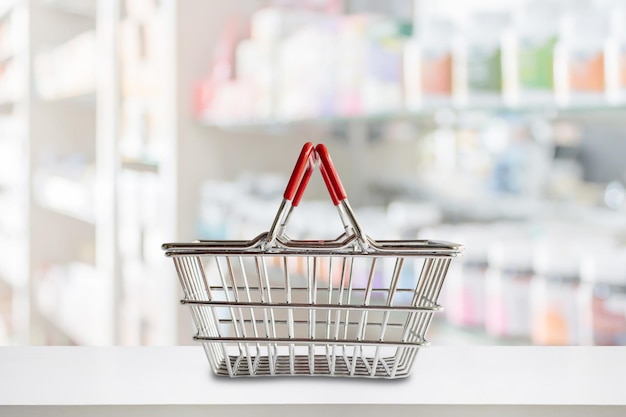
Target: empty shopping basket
x: 350, y: 307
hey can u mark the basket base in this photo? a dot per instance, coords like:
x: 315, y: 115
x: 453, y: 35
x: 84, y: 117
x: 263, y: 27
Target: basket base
x: 317, y: 365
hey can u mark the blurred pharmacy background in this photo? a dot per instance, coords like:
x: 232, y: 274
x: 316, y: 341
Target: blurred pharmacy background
x: 497, y: 124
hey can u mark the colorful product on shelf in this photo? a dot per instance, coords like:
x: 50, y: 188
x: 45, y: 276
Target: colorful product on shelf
x: 369, y: 65
x: 365, y: 64
x: 437, y: 73
x: 529, y: 53
x: 580, y: 58
x: 587, y: 72
x: 351, y: 61
x: 554, y: 289
x: 301, y: 91
x: 479, y: 79
x: 536, y: 66
x: 465, y: 289
x: 465, y: 295
x: 603, y: 297
x: 507, y: 306
x: 428, y: 67
x: 484, y: 73
x: 382, y: 89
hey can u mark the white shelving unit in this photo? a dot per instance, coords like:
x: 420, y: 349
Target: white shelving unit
x: 145, y: 298
x: 105, y: 164
x: 14, y: 198
x: 160, y: 157
x: 69, y: 282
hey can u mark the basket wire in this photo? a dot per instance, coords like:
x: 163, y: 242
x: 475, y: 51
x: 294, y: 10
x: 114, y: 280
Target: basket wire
x: 258, y: 320
x: 350, y: 307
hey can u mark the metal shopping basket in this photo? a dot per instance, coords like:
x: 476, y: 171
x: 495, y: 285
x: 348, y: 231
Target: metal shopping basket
x: 352, y: 306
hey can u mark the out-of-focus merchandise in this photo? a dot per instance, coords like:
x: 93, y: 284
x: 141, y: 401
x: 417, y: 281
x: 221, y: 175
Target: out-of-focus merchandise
x: 139, y: 214
x: 566, y: 173
x: 407, y: 218
x: 507, y: 288
x: 299, y: 64
x: 465, y: 286
x: 76, y: 298
x: 355, y: 64
x: 141, y: 269
x: 236, y: 209
x: 143, y: 66
x: 521, y: 165
x: 478, y: 57
x: 144, y: 132
x: 258, y: 73
x: 527, y: 287
x: 517, y: 282
x: 603, y: 297
x: 142, y: 320
x: 554, y: 287
x: 528, y: 54
x: 381, y: 88
x: 68, y: 70
x: 143, y: 52
x: 66, y: 184
x: 504, y: 156
x: 143, y: 129
x: 579, y: 62
x: 301, y: 92
x: 534, y: 53
x: 428, y: 65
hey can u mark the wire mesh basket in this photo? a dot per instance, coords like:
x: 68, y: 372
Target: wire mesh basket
x: 352, y: 306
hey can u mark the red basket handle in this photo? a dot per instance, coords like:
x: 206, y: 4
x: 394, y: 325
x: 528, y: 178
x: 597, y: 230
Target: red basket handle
x: 298, y: 175
x: 303, y: 170
x: 311, y: 156
x: 329, y: 173
x: 304, y: 182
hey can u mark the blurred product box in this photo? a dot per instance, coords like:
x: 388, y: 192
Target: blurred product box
x: 68, y: 70
x: 554, y: 289
x: 603, y: 297
x: 428, y: 66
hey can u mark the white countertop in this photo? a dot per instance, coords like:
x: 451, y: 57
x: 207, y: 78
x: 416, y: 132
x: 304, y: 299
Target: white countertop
x: 483, y: 380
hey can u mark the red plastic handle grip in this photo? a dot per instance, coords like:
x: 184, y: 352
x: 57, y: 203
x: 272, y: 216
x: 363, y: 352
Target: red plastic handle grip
x: 298, y: 173
x: 337, y: 193
x: 329, y: 185
x: 303, y: 183
x: 304, y: 169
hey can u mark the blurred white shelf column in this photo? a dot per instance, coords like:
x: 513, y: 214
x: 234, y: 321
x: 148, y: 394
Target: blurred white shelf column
x: 14, y: 197
x: 111, y: 160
